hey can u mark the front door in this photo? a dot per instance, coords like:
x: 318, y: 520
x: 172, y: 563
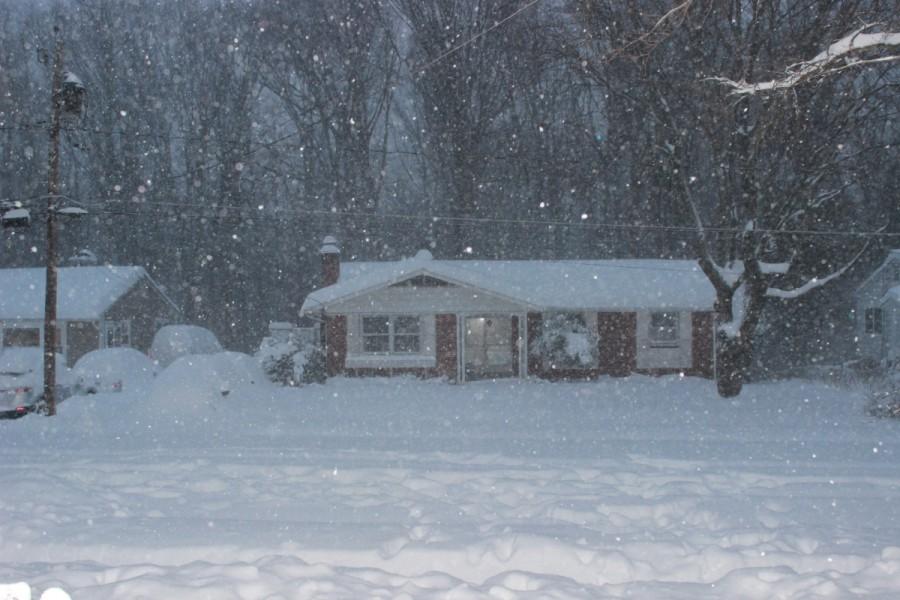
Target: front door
x: 488, y: 348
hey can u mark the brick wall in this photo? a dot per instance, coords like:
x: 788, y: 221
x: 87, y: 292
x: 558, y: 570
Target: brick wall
x: 447, y: 345
x: 335, y: 344
x: 618, y: 342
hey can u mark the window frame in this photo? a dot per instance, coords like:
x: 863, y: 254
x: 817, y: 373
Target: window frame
x: 873, y: 320
x: 654, y: 330
x: 392, y: 334
x: 16, y: 332
x: 117, y: 330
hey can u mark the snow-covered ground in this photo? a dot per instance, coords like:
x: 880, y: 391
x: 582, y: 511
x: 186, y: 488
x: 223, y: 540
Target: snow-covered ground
x: 376, y: 488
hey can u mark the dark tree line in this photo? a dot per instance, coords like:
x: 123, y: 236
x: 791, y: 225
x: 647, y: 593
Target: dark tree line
x: 223, y: 139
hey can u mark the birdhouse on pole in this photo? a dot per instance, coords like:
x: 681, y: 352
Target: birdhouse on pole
x: 73, y: 93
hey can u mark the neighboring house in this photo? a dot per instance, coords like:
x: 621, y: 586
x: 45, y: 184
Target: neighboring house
x: 97, y: 307
x: 476, y: 319
x: 878, y: 311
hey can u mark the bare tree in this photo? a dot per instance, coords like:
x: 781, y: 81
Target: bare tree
x: 759, y: 174
x: 333, y: 66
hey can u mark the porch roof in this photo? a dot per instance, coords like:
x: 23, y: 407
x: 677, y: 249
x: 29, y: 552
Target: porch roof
x: 569, y: 285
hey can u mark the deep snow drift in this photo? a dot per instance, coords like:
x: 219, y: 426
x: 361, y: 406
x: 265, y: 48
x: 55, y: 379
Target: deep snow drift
x: 638, y: 487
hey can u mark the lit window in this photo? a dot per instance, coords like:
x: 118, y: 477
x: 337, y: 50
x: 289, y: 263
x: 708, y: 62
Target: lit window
x: 664, y: 328
x: 386, y: 334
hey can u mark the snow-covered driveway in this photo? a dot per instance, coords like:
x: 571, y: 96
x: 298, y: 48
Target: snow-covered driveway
x: 373, y: 488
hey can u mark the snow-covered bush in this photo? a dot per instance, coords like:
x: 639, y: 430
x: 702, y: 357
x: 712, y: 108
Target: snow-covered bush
x: 884, y: 398
x: 566, y: 342
x: 291, y: 362
x: 314, y: 365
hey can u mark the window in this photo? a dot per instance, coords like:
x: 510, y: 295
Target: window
x: 874, y: 320
x: 386, y: 334
x: 118, y: 333
x: 17, y: 337
x: 664, y: 328
x: 406, y: 334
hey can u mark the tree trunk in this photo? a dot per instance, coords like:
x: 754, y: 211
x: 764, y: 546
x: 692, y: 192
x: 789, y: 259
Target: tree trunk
x: 734, y: 353
x: 732, y: 360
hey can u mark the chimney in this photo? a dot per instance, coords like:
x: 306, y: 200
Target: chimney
x: 331, y: 261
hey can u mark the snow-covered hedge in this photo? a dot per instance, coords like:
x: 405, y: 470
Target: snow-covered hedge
x: 566, y: 342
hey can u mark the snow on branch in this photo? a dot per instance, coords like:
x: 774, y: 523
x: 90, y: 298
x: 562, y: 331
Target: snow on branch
x: 815, y: 282
x: 839, y: 56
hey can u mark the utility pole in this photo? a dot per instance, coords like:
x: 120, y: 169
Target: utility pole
x: 50, y: 335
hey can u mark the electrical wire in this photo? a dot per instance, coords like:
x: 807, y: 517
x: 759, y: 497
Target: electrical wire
x: 277, y: 213
x: 472, y: 39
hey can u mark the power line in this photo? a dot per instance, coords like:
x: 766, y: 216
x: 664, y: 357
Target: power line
x: 475, y: 37
x: 260, y: 212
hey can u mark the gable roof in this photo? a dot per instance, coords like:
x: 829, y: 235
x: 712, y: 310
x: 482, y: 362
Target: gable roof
x: 540, y: 285
x: 84, y: 293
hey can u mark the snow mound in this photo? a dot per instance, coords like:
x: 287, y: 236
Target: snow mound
x: 109, y: 365
x: 200, y: 383
x: 174, y: 341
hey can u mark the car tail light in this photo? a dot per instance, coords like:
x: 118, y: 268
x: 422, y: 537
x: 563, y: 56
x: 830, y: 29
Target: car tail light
x: 21, y: 410
x: 23, y: 390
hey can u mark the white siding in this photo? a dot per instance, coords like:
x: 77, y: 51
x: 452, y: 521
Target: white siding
x: 424, y: 300
x: 674, y: 357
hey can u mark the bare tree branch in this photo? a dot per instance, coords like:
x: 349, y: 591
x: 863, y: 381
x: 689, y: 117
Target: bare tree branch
x: 838, y: 57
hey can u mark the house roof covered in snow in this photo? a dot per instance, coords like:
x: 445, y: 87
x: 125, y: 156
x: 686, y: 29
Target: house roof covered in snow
x: 538, y: 284
x: 892, y: 295
x: 84, y: 293
x: 892, y: 257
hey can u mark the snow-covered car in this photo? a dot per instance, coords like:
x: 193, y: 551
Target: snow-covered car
x: 22, y: 381
x: 201, y: 385
x: 174, y: 341
x: 112, y: 370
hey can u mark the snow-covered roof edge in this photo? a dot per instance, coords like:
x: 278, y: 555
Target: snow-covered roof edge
x: 891, y: 255
x: 129, y: 276
x: 892, y: 295
x: 159, y: 289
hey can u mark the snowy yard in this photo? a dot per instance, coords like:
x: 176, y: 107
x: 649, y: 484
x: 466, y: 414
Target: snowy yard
x: 369, y: 488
